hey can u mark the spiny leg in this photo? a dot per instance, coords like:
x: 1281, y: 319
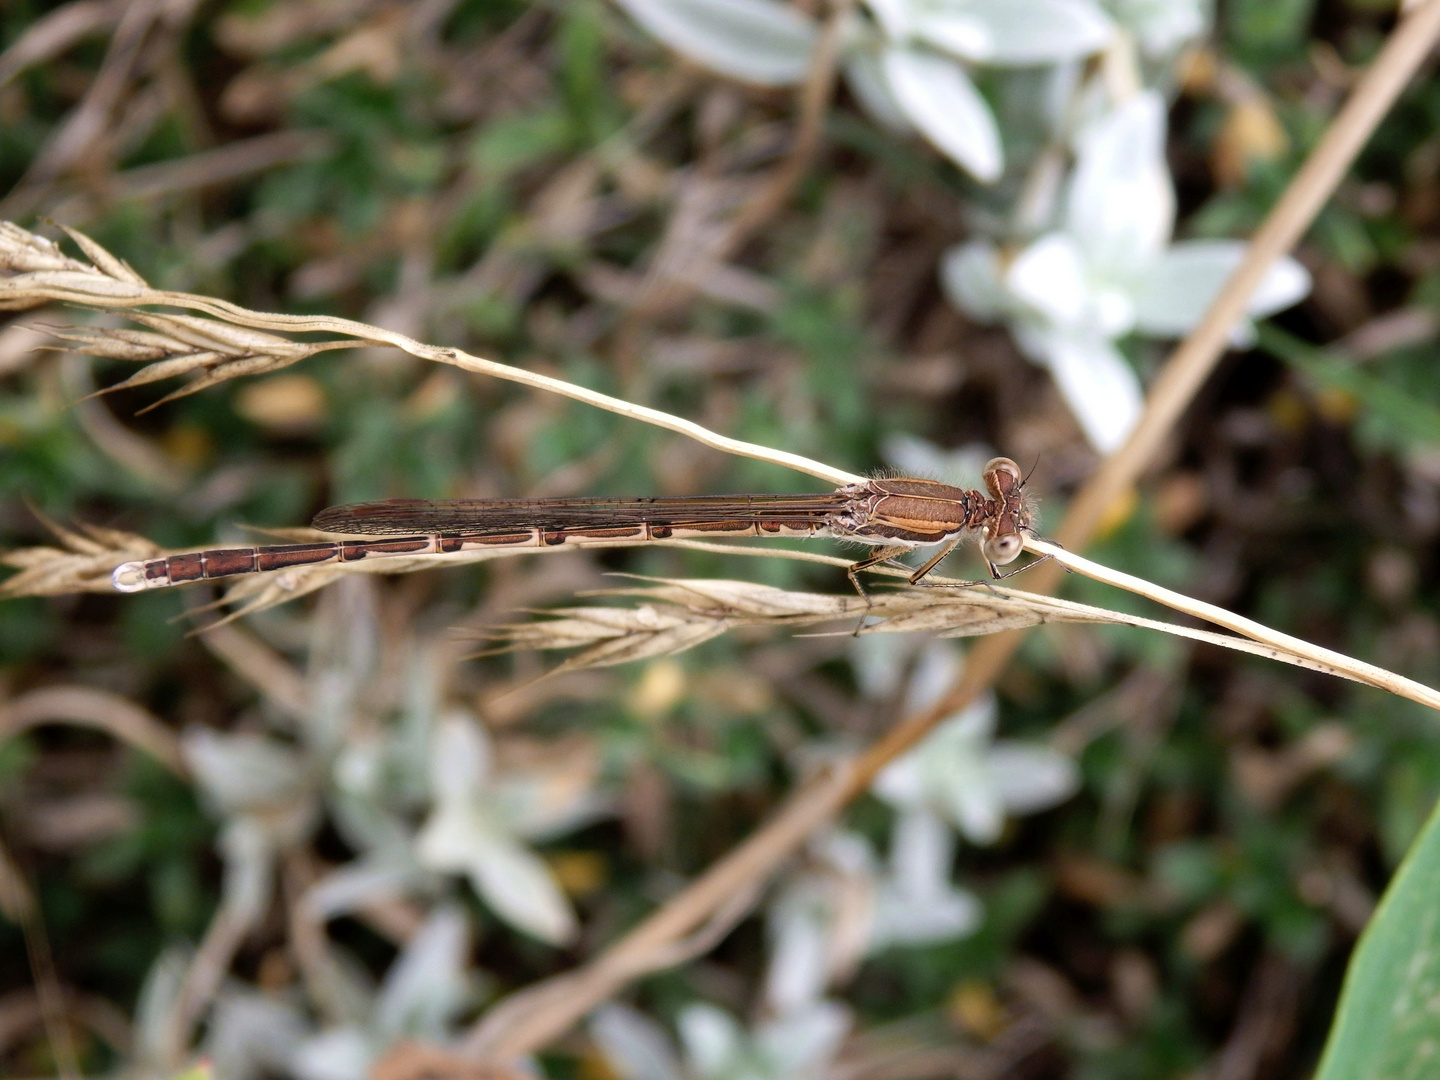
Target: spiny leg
x: 995, y: 573
x: 884, y: 555
x: 917, y: 578
x: 995, y: 570
x: 935, y: 561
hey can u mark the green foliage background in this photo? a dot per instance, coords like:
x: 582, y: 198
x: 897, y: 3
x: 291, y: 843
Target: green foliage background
x: 1194, y: 907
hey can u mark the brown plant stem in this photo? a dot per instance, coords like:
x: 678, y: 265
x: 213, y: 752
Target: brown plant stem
x: 814, y: 98
x: 818, y: 802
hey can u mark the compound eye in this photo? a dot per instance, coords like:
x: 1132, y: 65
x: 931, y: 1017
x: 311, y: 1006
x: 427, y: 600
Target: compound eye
x: 1002, y: 476
x: 1002, y: 549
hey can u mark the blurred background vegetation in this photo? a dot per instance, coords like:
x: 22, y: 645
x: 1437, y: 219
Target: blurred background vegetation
x: 531, y: 182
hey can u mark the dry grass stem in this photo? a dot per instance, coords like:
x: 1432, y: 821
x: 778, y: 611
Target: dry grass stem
x: 54, y: 33
x: 116, y: 716
x: 1290, y: 649
x: 83, y: 563
x: 678, y: 614
x: 39, y: 272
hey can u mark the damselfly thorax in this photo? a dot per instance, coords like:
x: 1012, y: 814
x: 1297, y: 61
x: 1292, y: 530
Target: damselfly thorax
x: 893, y: 515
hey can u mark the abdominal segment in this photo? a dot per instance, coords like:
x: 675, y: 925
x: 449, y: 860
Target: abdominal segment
x: 229, y: 562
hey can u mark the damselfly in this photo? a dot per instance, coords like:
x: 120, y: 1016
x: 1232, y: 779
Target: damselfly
x: 893, y: 515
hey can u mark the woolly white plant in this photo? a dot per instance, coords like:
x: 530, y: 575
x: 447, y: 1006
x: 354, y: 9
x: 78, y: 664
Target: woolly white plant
x: 1108, y: 269
x: 1105, y: 267
x: 797, y: 1045
x: 906, y: 60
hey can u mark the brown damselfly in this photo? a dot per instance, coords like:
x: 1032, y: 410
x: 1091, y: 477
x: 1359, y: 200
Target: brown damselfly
x: 893, y: 515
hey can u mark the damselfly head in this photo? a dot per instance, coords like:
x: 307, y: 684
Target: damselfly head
x: 1001, y: 542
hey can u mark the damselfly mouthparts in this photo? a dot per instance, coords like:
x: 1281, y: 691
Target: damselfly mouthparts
x: 893, y: 515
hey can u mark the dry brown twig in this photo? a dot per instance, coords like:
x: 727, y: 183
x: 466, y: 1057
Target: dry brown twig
x: 86, y: 131
x: 56, y: 32
x: 41, y: 273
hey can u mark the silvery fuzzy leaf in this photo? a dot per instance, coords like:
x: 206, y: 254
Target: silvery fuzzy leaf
x: 894, y: 16
x: 635, y: 1046
x: 367, y: 825
x: 1029, y: 777
x: 866, y: 80
x: 407, y: 747
x: 942, y: 102
x: 951, y: 773
x: 819, y: 924
x: 937, y: 669
x: 1015, y: 33
x: 359, y: 766
x: 713, y: 1039
x: 252, y: 1035
x: 1180, y: 285
x: 1060, y: 85
x: 1098, y: 384
x: 957, y: 29
x: 510, y: 878
x: 426, y: 987
x: 902, y: 783
x: 917, y: 903
x: 799, y: 967
x: 922, y: 851
x: 878, y: 661
x: 380, y: 875
x: 344, y: 656
x: 1121, y: 205
x: 249, y: 855
x: 850, y: 853
x: 969, y: 799
x: 801, y: 1043
x: 1049, y: 277
x: 1058, y: 289
x: 924, y: 774
x: 755, y: 41
x: 1162, y: 26
x: 548, y: 799
x: 460, y: 758
x: 337, y: 1054
x: 972, y: 277
x: 898, y: 921
x: 155, y: 1008
x: 243, y: 772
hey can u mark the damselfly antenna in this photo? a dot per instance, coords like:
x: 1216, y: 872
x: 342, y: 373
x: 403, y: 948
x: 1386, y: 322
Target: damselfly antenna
x: 1032, y: 469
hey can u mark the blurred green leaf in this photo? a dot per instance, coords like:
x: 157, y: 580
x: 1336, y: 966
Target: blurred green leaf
x: 518, y: 141
x: 1268, y: 26
x: 1406, y: 418
x: 1386, y: 1026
